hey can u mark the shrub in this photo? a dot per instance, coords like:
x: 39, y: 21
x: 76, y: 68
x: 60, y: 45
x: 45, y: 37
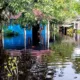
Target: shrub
x: 10, y: 33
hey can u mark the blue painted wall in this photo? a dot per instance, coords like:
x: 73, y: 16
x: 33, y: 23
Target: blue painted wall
x: 17, y: 42
x: 44, y: 34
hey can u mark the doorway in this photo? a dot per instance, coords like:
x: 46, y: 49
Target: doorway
x: 35, y: 35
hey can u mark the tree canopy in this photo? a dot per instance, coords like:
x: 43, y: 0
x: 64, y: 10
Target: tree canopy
x: 61, y: 10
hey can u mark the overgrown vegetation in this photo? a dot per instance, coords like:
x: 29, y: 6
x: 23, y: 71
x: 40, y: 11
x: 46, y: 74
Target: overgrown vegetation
x: 70, y: 31
x: 78, y: 31
x: 17, y: 67
x: 60, y: 9
x: 58, y: 38
x: 10, y: 33
x: 61, y: 50
x: 76, y: 65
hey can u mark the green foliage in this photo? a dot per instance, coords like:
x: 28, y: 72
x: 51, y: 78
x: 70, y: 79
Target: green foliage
x: 59, y: 9
x: 10, y: 33
x: 76, y: 65
x: 70, y: 31
x: 58, y: 38
x: 77, y: 7
x: 61, y: 50
x: 78, y: 31
x: 44, y: 22
x: 10, y: 66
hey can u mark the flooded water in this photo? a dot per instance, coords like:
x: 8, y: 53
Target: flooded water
x: 68, y: 70
x: 67, y: 73
x: 63, y: 67
x: 69, y: 67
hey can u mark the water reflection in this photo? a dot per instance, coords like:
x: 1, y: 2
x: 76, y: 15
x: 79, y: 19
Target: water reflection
x: 76, y: 38
x: 67, y: 73
x: 65, y: 66
x: 68, y: 68
x: 76, y: 53
x: 76, y: 65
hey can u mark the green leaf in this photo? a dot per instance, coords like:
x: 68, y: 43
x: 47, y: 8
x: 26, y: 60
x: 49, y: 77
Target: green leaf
x: 9, y: 75
x: 5, y: 67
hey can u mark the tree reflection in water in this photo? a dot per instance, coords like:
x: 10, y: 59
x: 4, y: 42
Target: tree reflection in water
x: 61, y: 59
x: 24, y: 67
x: 76, y: 65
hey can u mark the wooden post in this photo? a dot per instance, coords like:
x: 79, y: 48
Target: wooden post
x: 48, y: 34
x: 54, y: 31
x: 25, y: 39
x: 2, y: 35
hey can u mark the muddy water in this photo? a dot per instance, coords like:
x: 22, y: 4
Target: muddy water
x: 69, y: 69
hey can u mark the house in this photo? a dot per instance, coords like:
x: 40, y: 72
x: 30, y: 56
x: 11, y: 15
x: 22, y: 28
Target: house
x: 63, y: 28
x: 36, y: 37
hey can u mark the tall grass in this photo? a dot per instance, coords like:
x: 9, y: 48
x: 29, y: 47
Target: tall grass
x: 60, y: 51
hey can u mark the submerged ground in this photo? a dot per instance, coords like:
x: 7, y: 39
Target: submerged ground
x: 66, y: 59
x: 63, y: 63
